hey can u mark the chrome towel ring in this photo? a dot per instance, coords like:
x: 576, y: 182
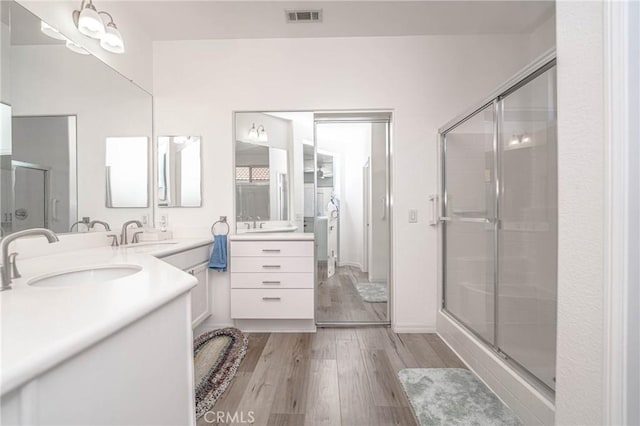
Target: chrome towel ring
x: 223, y: 221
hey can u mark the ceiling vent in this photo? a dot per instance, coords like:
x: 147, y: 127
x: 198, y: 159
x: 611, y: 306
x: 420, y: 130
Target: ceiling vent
x: 301, y: 16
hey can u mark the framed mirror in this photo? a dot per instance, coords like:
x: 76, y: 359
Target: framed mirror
x: 179, y: 171
x: 66, y: 118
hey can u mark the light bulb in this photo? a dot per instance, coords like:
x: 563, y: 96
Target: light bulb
x: 90, y: 23
x: 76, y: 48
x: 253, y: 132
x: 262, y: 134
x: 49, y: 31
x: 112, y: 40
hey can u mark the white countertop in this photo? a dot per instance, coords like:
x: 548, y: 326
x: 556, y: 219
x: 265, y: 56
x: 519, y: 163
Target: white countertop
x: 42, y: 327
x: 273, y: 236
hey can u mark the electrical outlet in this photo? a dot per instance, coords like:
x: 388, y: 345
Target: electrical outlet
x: 144, y: 219
x: 164, y: 221
x: 86, y: 219
x: 413, y: 216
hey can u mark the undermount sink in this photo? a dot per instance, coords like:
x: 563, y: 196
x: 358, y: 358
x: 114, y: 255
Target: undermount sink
x: 85, y: 276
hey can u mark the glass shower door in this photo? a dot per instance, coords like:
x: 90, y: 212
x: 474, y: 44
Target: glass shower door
x: 469, y: 222
x: 527, y: 274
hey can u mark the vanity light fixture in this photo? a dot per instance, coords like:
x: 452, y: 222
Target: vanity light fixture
x: 76, y: 48
x: 88, y: 20
x: 90, y: 23
x: 521, y: 139
x: 49, y: 31
x: 257, y: 134
x: 112, y: 40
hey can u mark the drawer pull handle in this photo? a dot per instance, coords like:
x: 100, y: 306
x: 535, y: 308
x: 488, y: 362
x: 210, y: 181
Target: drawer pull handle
x: 270, y: 298
x: 271, y: 266
x: 271, y: 250
x: 271, y: 282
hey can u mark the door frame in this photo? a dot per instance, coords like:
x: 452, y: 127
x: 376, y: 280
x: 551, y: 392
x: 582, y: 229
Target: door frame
x: 622, y: 198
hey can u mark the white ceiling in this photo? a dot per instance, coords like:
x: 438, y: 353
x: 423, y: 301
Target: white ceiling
x: 201, y: 20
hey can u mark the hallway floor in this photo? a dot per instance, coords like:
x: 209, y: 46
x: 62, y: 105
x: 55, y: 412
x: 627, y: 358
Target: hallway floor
x: 339, y: 301
x: 333, y: 377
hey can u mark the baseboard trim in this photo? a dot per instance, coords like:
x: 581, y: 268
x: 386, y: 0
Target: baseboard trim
x: 276, y: 326
x: 413, y: 328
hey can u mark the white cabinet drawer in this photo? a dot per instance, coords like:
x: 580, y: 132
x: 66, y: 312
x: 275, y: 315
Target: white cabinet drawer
x: 271, y: 264
x: 272, y: 280
x: 272, y: 248
x: 272, y: 304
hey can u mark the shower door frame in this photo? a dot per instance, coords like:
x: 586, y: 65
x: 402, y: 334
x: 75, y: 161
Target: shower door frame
x: 544, y: 63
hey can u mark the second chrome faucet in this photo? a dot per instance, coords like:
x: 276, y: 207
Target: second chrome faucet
x: 124, y: 239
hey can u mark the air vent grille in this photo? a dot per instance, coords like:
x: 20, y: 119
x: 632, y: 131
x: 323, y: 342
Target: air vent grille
x: 300, y: 16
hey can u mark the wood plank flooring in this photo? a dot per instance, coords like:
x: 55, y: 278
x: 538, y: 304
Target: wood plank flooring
x: 338, y: 299
x: 337, y: 376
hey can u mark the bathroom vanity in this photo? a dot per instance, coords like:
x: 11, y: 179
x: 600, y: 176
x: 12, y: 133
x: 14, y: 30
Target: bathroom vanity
x: 103, y: 334
x: 272, y: 278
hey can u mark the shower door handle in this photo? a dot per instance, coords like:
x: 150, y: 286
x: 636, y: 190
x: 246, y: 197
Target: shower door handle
x: 433, y: 219
x: 466, y: 219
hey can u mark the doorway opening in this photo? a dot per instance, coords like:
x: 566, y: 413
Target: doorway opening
x: 352, y: 223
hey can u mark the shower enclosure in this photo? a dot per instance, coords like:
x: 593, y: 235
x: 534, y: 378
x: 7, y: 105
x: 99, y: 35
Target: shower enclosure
x: 499, y: 214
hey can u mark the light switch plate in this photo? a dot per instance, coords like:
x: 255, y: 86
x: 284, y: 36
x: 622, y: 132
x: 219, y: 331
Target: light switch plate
x: 413, y: 216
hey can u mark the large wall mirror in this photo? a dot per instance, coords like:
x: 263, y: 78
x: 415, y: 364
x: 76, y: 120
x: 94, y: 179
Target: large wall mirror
x: 269, y: 171
x: 75, y: 133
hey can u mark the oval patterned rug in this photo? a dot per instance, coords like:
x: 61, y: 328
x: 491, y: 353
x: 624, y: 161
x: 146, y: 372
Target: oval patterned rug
x: 217, y: 355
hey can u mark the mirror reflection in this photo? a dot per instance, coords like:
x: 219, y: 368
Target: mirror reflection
x: 66, y: 116
x: 179, y: 171
x: 126, y: 172
x: 269, y: 179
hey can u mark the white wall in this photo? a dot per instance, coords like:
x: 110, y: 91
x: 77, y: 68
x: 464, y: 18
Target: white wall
x: 581, y: 195
x: 135, y: 63
x: 426, y: 80
x: 543, y: 37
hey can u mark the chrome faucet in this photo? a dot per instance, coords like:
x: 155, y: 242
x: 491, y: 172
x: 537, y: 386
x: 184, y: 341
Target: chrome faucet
x: 99, y: 222
x: 123, y: 234
x: 255, y: 222
x: 9, y: 261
